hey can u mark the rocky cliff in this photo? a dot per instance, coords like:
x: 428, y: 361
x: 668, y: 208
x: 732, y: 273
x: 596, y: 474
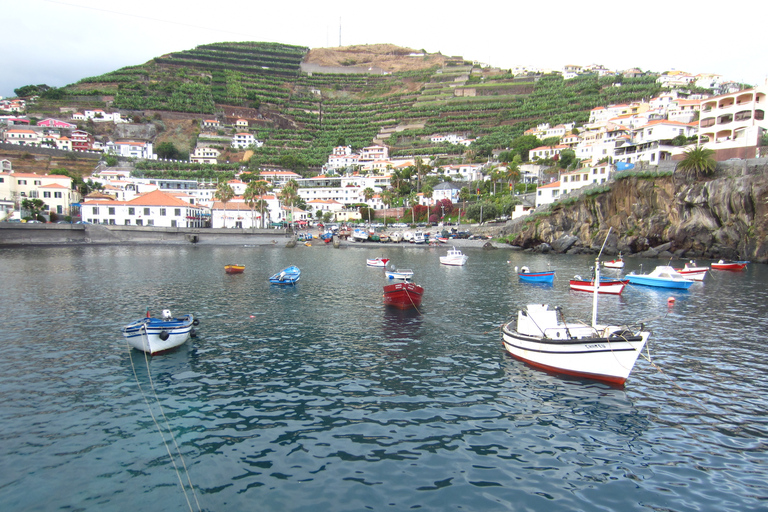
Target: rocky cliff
x: 668, y: 216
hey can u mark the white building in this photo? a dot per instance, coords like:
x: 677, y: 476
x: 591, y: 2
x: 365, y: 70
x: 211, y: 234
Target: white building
x: 732, y: 124
x: 132, y: 149
x: 53, y: 189
x: 243, y: 140
x: 205, y: 155
x: 155, y: 208
x: 547, y: 194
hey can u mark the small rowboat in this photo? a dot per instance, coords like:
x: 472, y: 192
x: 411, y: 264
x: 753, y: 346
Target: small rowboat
x: 234, y: 269
x: 526, y: 276
x: 729, y: 265
x: 692, y: 272
x: 289, y: 275
x: 662, y: 277
x: 377, y: 262
x: 607, y: 286
x: 617, y: 263
x: 154, y: 335
x: 401, y: 273
x: 403, y: 295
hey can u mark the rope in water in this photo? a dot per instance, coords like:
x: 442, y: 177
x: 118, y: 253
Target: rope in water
x: 167, y: 424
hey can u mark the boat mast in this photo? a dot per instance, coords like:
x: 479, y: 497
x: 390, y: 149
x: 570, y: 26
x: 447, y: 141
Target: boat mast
x: 596, y: 285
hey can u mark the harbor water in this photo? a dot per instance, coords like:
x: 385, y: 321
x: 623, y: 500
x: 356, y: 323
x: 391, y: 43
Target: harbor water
x: 318, y: 398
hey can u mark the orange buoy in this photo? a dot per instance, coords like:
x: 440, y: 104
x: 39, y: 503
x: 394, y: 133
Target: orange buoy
x: 671, y: 301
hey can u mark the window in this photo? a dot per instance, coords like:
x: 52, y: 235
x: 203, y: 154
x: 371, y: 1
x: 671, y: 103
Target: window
x: 162, y: 212
x: 22, y: 182
x: 46, y: 195
x: 111, y: 210
x: 58, y: 195
x: 95, y: 210
x: 139, y: 222
x: 146, y: 211
x: 177, y: 212
x: 150, y: 222
x: 38, y: 182
x: 173, y: 223
x: 127, y: 222
x: 131, y: 211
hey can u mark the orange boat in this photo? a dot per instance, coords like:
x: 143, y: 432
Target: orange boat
x: 234, y: 269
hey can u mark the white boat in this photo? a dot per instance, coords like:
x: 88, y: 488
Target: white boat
x: 400, y: 273
x: 617, y: 263
x: 691, y: 272
x: 377, y: 262
x: 604, y: 352
x: 153, y: 335
x: 419, y: 238
x: 360, y: 235
x: 454, y: 257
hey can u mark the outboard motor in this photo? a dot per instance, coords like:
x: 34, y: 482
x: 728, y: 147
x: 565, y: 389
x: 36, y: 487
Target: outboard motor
x: 167, y: 316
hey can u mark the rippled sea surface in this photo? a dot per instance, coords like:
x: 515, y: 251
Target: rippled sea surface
x: 317, y: 398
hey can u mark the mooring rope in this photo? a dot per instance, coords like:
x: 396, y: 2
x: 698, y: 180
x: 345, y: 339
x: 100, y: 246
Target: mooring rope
x: 167, y: 423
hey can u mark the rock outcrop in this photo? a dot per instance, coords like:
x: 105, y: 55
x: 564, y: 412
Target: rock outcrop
x: 725, y: 217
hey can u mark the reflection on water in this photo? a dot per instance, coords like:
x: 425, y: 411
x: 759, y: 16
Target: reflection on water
x: 317, y: 397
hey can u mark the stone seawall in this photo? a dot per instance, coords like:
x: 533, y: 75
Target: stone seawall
x: 16, y: 234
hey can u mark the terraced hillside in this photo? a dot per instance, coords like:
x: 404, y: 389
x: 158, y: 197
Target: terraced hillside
x: 302, y: 116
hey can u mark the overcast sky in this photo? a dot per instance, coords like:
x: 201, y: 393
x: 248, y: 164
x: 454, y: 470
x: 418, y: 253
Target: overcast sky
x: 59, y: 42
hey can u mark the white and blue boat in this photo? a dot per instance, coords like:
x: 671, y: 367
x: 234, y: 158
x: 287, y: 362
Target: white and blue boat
x: 662, y: 276
x: 289, y: 275
x: 154, y: 335
x: 403, y: 274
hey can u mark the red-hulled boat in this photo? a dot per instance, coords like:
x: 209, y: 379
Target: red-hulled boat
x: 403, y: 295
x: 729, y: 265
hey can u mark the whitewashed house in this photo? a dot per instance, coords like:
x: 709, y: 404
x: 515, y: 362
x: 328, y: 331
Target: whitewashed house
x: 156, y: 208
x: 547, y: 194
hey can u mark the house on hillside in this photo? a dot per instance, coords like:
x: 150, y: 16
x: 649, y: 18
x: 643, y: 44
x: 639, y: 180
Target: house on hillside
x: 53, y: 189
x: 204, y: 156
x: 243, y: 140
x: 547, y: 194
x: 132, y: 149
x: 22, y: 137
x: 733, y: 124
x: 55, y: 123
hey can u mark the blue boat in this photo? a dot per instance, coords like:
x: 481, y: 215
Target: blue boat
x: 661, y: 277
x: 290, y: 275
x: 526, y: 276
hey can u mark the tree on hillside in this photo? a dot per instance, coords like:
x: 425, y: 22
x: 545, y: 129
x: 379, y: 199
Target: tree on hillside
x: 255, y: 192
x: 523, y: 144
x: 368, y: 194
x: 698, y: 162
x: 167, y: 151
x: 386, y: 198
x: 224, y: 193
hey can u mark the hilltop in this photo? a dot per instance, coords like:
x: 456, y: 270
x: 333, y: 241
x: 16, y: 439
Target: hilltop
x: 302, y: 102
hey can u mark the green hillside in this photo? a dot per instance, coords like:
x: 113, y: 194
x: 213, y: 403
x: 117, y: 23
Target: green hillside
x: 303, y: 116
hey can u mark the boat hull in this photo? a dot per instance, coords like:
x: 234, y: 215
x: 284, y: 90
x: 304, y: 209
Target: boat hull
x: 677, y: 284
x: 455, y: 261
x: 234, y: 269
x: 403, y: 295
x: 734, y: 265
x: 146, y: 334
x: 537, y: 277
x: 605, y: 358
x: 608, y: 287
x: 378, y: 262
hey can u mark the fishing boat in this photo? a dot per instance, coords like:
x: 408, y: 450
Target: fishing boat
x: 419, y: 238
x: 603, y: 352
x: 662, y: 276
x: 607, y: 285
x: 153, y: 335
x: 234, y: 269
x: 289, y: 275
x: 360, y: 235
x: 691, y: 272
x: 377, y: 262
x: 616, y: 263
x: 454, y: 257
x: 400, y: 273
x: 526, y: 276
x: 729, y: 265
x: 404, y: 295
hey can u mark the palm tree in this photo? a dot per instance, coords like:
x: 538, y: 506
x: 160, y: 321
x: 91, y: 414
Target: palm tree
x: 698, y: 161
x: 289, y: 194
x: 224, y: 193
x: 254, y: 196
x: 512, y: 174
x: 368, y: 194
x: 386, y: 199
